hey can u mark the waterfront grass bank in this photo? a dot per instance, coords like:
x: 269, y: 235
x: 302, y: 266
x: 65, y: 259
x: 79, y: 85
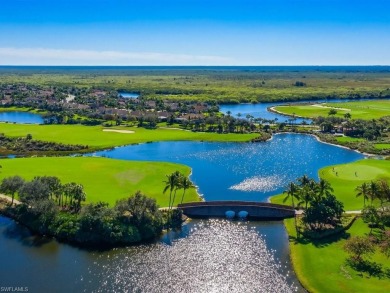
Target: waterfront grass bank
x: 321, y: 265
x: 103, y: 179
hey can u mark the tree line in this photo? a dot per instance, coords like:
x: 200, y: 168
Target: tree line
x: 22, y: 145
x: 49, y: 207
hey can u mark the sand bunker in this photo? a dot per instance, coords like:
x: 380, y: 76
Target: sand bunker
x: 117, y: 130
x: 336, y: 108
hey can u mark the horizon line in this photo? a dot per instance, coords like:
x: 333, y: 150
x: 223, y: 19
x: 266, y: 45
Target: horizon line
x: 297, y: 65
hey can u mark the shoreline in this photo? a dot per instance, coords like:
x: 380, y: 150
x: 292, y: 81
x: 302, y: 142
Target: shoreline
x: 272, y: 109
x: 333, y: 144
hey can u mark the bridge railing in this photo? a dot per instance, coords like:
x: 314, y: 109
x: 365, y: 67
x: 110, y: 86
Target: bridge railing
x: 235, y: 203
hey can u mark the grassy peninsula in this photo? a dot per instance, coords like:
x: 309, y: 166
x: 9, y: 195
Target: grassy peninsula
x: 103, y: 179
x: 366, y: 110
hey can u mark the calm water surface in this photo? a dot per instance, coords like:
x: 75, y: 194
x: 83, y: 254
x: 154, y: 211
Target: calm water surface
x: 205, y: 256
x: 242, y: 171
x: 21, y: 117
x: 129, y: 95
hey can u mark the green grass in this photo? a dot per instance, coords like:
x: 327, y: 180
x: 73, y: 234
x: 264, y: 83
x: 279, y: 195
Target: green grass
x: 367, y: 110
x: 345, y: 182
x: 103, y: 179
x: 308, y: 111
x: 349, y: 139
x: 321, y: 265
x: 382, y: 146
x: 20, y: 109
x: 94, y: 136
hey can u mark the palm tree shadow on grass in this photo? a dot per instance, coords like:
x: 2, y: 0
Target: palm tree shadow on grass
x: 319, y: 243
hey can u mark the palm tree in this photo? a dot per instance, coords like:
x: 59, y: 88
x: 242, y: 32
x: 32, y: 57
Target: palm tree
x: 170, y: 184
x: 186, y: 184
x: 292, y: 192
x: 363, y: 190
x: 374, y: 191
x: 76, y: 193
x: 304, y: 180
x: 324, y: 188
x: 384, y: 191
x: 307, y: 192
x: 178, y: 179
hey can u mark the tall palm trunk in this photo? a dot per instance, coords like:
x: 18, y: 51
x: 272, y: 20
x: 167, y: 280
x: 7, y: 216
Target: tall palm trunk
x: 174, y: 197
x: 295, y: 216
x: 182, y: 197
x: 169, y: 208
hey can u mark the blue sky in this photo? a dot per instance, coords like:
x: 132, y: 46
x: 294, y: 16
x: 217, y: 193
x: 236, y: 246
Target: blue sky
x: 195, y: 32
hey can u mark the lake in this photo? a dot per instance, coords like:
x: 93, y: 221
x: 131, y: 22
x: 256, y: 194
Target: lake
x: 242, y: 171
x: 21, y: 117
x: 128, y: 95
x: 259, y: 111
x: 206, y: 255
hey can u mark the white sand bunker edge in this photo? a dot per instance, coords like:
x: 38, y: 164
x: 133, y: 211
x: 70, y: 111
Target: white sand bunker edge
x: 117, y: 130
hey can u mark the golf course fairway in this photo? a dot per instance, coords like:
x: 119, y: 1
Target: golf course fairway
x: 103, y: 179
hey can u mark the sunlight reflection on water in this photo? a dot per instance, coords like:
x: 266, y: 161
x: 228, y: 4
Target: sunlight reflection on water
x: 217, y: 256
x: 258, y: 183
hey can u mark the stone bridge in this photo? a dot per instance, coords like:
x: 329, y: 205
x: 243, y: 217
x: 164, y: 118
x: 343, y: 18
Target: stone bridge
x: 218, y: 209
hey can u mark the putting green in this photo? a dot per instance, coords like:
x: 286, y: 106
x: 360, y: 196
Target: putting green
x: 346, y: 177
x: 103, y: 179
x: 353, y: 172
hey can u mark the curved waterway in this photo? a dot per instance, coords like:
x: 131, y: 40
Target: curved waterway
x: 242, y: 171
x: 260, y: 110
x: 206, y: 255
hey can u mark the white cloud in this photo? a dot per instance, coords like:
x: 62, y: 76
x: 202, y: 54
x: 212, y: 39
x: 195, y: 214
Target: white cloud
x: 47, y: 56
